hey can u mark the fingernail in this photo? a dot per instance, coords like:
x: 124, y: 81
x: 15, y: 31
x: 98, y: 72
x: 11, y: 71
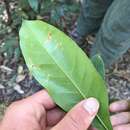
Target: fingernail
x: 91, y: 105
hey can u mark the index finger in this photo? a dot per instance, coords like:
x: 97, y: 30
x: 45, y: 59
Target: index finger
x: 120, y: 106
x: 42, y: 97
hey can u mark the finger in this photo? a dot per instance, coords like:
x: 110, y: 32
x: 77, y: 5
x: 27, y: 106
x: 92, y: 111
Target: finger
x: 54, y: 116
x: 122, y: 127
x: 80, y: 117
x: 120, y: 119
x: 48, y: 128
x: 42, y: 97
x: 91, y: 128
x: 120, y: 106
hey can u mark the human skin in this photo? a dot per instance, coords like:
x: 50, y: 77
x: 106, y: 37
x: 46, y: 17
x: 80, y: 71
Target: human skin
x: 120, y: 120
x: 39, y: 112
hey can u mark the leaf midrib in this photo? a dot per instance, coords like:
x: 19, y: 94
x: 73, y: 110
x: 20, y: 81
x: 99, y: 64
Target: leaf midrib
x: 82, y: 94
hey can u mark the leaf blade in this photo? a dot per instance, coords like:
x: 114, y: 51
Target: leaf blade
x: 57, y: 54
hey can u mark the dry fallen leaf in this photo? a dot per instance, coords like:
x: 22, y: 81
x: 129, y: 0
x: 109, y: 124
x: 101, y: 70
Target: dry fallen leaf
x: 5, y: 68
x: 2, y: 86
x: 17, y: 87
x: 20, y: 69
x: 20, y: 78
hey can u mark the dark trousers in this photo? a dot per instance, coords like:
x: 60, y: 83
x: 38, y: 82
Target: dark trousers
x: 110, y: 20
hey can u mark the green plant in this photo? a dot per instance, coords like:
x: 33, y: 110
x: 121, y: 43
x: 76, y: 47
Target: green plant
x: 63, y: 68
x: 99, y: 65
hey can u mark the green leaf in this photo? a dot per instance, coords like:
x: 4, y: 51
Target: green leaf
x: 63, y: 68
x: 99, y: 65
x: 34, y: 4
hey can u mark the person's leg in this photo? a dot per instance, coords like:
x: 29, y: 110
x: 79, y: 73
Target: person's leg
x: 113, y: 38
x: 92, y: 13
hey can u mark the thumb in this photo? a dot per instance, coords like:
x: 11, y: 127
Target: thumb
x: 80, y: 117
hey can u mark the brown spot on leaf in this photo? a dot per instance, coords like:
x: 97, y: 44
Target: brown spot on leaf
x: 59, y: 45
x: 49, y: 36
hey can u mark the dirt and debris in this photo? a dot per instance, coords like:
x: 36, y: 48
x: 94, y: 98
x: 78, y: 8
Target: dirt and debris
x: 118, y: 78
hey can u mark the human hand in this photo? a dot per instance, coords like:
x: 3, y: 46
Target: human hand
x: 38, y: 112
x: 121, y: 120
